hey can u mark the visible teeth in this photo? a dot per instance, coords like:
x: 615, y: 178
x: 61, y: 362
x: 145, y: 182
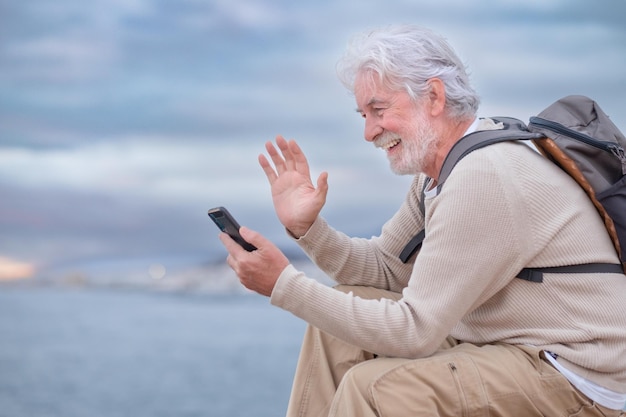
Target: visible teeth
x: 390, y: 144
x: 387, y: 141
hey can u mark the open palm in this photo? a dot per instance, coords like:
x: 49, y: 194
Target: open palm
x: 296, y: 200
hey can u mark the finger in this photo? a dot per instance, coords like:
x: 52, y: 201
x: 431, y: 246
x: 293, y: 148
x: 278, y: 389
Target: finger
x: 267, y: 168
x: 230, y: 261
x: 232, y: 247
x: 286, y: 151
x: 322, y: 185
x: 277, y: 159
x: 253, y: 237
x: 301, y: 163
x: 281, y: 141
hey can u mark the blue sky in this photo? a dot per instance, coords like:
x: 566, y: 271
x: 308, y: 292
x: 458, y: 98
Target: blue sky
x: 123, y: 121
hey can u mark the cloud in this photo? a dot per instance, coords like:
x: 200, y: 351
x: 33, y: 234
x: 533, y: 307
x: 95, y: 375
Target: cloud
x: 168, y: 169
x: 245, y: 14
x: 60, y: 59
x: 122, y: 122
x: 144, y: 165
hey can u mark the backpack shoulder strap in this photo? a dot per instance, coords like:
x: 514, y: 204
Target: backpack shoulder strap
x: 416, y: 242
x: 536, y: 274
x: 513, y: 129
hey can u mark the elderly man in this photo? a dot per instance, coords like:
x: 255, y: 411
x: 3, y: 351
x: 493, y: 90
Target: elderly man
x: 451, y: 331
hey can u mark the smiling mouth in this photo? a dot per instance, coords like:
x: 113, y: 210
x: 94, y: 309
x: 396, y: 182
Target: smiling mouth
x: 390, y: 145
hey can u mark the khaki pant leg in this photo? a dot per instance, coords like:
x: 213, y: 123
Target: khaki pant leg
x: 323, y: 362
x: 354, y: 397
x: 465, y: 380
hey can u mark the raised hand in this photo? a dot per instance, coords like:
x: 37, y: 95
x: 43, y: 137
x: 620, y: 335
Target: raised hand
x: 296, y: 200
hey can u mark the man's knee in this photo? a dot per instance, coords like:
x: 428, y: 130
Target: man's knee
x: 357, y: 379
x: 355, y: 391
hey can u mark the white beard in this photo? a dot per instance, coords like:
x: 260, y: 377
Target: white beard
x: 418, y: 150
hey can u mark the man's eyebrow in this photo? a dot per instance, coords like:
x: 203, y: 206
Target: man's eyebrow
x: 372, y: 101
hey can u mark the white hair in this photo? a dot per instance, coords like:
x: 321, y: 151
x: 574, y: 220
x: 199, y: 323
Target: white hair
x: 407, y: 57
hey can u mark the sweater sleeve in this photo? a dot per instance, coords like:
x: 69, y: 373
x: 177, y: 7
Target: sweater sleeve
x: 370, y: 262
x: 467, y: 256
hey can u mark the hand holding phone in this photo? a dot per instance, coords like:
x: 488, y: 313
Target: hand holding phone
x: 227, y: 224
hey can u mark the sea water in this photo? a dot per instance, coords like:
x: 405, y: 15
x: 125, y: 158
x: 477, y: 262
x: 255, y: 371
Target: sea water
x: 104, y: 352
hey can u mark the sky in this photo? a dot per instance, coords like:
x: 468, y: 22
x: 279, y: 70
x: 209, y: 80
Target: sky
x: 123, y: 121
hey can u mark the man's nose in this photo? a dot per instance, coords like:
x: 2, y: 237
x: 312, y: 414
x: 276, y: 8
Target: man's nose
x: 372, y: 129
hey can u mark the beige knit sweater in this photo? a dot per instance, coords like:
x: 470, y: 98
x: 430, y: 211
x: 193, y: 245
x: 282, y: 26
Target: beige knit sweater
x: 504, y: 207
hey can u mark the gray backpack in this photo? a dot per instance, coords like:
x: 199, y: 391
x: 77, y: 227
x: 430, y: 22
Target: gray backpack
x: 580, y: 138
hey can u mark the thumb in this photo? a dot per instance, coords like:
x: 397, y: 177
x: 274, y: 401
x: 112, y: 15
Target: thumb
x: 252, y: 236
x: 322, y: 185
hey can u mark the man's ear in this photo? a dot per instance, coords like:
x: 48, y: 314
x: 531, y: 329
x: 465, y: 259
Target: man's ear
x: 436, y: 96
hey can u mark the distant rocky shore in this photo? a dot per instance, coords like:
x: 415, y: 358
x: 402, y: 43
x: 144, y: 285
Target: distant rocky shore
x: 211, y: 278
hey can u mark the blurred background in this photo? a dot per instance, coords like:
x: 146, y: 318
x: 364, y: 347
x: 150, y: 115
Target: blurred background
x: 123, y: 121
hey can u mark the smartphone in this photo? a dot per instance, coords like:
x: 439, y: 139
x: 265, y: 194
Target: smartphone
x: 227, y: 223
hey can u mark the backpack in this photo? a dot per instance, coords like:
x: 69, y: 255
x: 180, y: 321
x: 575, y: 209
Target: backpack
x: 579, y: 137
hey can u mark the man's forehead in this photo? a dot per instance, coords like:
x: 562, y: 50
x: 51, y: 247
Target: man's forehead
x: 367, y: 81
x: 368, y: 92
x: 370, y: 95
